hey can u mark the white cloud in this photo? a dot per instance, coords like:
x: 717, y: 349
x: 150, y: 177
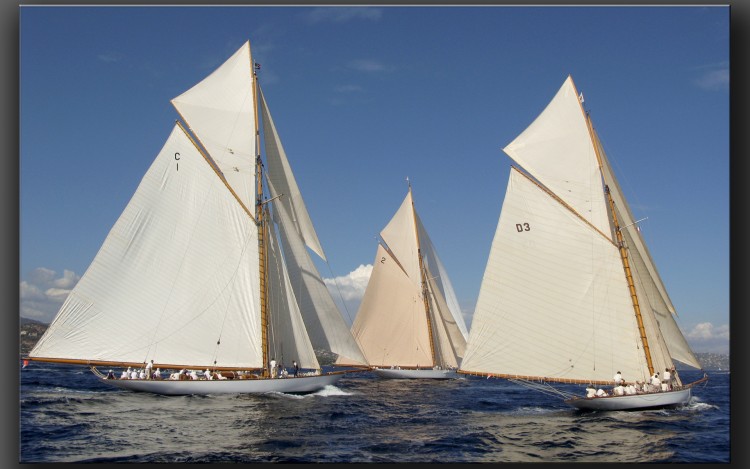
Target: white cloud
x: 715, y: 77
x: 343, y: 14
x: 110, y: 57
x: 351, y: 286
x: 347, y: 290
x: 348, y: 89
x: 367, y: 65
x: 44, y: 292
x: 705, y: 337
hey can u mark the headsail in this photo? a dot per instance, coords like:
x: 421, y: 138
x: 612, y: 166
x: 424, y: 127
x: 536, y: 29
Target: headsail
x: 651, y: 287
x: 281, y: 176
x: 325, y: 324
x: 287, y: 335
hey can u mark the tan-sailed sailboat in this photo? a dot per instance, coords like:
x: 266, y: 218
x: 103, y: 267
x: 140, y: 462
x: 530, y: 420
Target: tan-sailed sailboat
x: 207, y: 268
x: 570, y: 293
x: 409, y: 324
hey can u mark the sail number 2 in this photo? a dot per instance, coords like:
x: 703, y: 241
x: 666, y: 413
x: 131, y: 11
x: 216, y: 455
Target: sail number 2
x: 520, y: 227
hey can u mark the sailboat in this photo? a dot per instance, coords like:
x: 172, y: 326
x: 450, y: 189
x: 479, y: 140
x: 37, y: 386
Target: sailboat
x: 409, y: 324
x: 208, y: 268
x: 570, y: 293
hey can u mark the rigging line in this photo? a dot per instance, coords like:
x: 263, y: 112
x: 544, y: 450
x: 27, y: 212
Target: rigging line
x: 542, y: 387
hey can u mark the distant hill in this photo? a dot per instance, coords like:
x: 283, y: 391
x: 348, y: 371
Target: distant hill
x: 31, y: 331
x: 25, y: 321
x: 713, y: 361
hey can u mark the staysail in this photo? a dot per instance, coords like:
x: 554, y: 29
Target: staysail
x: 325, y: 324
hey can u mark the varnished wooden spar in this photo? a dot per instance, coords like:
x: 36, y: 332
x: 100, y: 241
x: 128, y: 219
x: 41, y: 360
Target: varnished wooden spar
x: 166, y: 366
x: 623, y: 253
x: 533, y: 378
x: 423, y: 279
x: 260, y: 211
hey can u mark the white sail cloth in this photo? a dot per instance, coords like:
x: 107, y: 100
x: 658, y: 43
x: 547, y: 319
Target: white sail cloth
x: 178, y: 278
x: 393, y: 326
x: 555, y: 301
x: 221, y: 112
x: 173, y: 279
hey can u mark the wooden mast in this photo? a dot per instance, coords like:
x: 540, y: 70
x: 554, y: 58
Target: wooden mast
x: 261, y: 222
x: 623, y: 251
x: 423, y: 279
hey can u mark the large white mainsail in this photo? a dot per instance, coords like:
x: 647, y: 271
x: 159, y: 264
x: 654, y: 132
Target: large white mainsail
x: 553, y: 302
x: 176, y: 274
x: 570, y: 292
x: 396, y: 325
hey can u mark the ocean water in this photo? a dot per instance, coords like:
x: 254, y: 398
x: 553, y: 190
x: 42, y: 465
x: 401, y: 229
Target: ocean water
x: 66, y: 415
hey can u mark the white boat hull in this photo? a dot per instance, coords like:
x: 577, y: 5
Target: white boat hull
x: 302, y: 384
x: 415, y: 374
x: 632, y: 402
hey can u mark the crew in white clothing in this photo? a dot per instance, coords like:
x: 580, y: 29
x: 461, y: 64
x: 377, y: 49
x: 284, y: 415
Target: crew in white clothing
x: 590, y: 391
x: 666, y: 383
x: 619, y: 390
x: 655, y: 382
x: 618, y: 378
x: 125, y: 374
x: 601, y: 393
x: 149, y: 368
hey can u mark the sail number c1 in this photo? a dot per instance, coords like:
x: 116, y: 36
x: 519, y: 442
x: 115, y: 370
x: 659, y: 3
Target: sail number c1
x: 177, y: 158
x: 521, y: 227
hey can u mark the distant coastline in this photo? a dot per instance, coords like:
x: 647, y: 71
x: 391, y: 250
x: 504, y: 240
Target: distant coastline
x: 31, y: 330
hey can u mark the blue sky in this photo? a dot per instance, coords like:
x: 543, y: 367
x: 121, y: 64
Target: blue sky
x: 365, y: 97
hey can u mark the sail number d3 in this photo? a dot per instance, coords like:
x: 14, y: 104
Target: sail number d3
x: 520, y: 227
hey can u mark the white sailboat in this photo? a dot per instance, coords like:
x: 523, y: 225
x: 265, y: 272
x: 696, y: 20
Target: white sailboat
x: 207, y: 268
x: 409, y: 324
x: 570, y: 293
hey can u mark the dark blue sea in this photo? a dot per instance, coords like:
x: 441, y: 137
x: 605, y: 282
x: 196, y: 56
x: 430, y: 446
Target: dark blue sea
x: 66, y: 415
